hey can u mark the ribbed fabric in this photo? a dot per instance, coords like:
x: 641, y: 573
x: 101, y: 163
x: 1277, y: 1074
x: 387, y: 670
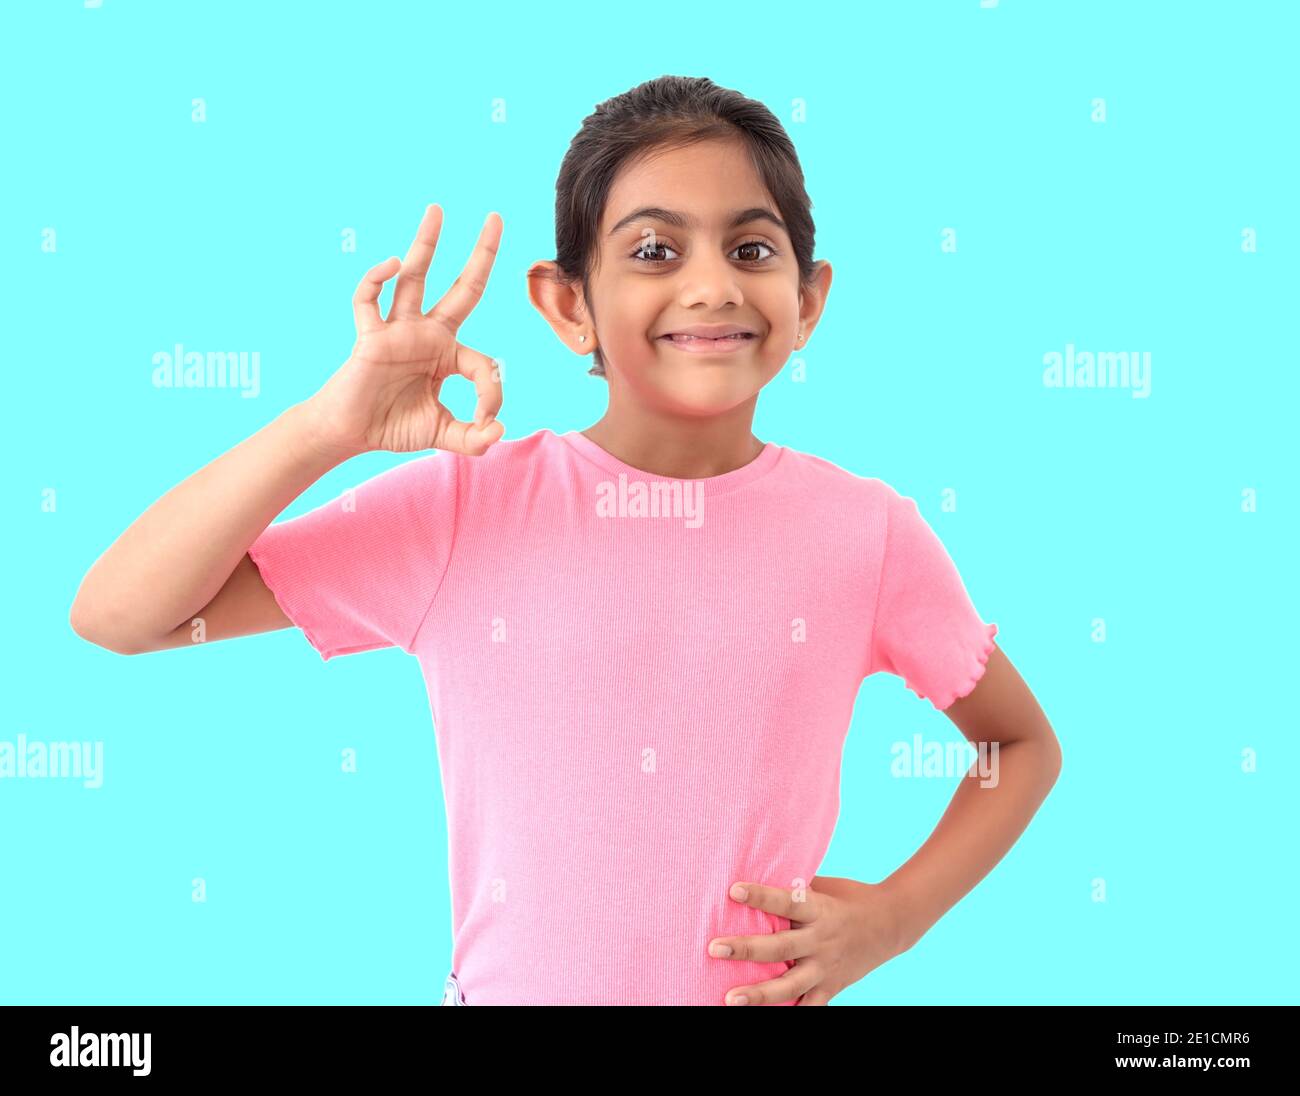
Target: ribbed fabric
x: 634, y: 709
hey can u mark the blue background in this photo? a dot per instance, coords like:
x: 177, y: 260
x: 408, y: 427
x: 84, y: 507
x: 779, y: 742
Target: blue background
x: 1075, y: 505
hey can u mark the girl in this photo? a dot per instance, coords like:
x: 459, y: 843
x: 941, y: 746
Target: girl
x: 642, y: 641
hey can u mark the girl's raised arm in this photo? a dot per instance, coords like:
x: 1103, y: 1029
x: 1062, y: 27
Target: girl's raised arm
x: 186, y: 556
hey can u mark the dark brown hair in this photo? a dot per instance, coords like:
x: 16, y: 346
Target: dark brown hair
x: 670, y: 112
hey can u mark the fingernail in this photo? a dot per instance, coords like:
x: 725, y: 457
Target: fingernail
x: 739, y: 999
x: 739, y: 892
x: 719, y: 950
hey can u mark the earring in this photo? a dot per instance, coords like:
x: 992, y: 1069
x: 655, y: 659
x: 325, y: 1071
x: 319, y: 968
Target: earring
x: 801, y: 336
x: 582, y: 338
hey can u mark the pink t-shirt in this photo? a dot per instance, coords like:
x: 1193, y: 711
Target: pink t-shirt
x: 640, y: 687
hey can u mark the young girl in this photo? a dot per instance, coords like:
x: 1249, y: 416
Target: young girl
x: 642, y: 641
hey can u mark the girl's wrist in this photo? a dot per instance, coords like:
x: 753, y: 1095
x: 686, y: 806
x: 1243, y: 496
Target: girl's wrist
x: 310, y: 432
x: 908, y: 923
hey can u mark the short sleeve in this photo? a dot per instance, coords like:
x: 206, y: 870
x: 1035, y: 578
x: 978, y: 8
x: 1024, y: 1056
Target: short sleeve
x: 361, y: 571
x: 925, y: 629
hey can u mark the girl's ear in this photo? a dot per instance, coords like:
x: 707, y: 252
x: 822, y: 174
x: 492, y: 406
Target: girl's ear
x: 812, y: 298
x: 561, y: 304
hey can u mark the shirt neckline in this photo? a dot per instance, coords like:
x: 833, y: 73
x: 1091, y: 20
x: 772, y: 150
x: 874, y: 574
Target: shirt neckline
x: 712, y: 485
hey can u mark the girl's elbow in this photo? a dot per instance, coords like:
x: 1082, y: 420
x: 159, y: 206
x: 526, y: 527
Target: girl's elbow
x: 93, y: 630
x: 1054, y: 756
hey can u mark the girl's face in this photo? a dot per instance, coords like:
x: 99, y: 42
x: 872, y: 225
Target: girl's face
x: 692, y: 237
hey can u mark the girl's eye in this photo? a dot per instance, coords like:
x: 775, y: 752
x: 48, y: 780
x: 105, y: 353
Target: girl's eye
x: 757, y: 243
x: 647, y: 245
x: 659, y: 245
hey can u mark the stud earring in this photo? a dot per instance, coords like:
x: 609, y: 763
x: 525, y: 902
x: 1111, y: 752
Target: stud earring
x: 582, y: 338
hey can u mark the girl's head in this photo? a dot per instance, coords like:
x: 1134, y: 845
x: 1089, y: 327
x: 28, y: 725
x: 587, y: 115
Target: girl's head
x: 681, y: 203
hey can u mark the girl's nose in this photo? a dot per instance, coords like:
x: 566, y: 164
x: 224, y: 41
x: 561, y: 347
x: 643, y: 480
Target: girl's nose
x: 709, y: 281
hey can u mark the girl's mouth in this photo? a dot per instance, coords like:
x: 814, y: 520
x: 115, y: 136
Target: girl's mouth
x: 693, y: 344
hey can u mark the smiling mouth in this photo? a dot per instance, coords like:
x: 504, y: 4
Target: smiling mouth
x: 696, y: 345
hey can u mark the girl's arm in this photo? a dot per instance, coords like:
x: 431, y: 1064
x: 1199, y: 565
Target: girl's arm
x: 187, y: 555
x: 981, y: 823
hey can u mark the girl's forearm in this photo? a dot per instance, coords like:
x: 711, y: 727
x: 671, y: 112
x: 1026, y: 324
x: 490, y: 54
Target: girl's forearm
x: 177, y: 555
x: 979, y: 827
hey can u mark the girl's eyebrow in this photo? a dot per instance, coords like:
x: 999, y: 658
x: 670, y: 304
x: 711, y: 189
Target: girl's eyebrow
x: 685, y: 220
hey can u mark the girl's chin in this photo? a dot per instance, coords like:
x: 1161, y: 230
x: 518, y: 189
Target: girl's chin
x: 707, y: 391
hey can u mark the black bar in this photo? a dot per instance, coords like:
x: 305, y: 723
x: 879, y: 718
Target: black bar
x: 340, y: 1044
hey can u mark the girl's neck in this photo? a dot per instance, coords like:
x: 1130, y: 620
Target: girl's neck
x: 678, y: 448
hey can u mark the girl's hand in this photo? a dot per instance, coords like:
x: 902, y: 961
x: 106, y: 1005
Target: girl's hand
x: 845, y: 930
x: 385, y: 396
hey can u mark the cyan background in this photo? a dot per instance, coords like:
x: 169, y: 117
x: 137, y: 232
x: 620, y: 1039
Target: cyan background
x: 224, y: 763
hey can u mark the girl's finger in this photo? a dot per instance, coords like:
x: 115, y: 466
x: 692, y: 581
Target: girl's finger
x: 792, y: 985
x: 467, y: 290
x: 815, y: 996
x: 465, y: 437
x: 485, y: 374
x: 408, y: 298
x: 774, y: 947
x: 365, y: 301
